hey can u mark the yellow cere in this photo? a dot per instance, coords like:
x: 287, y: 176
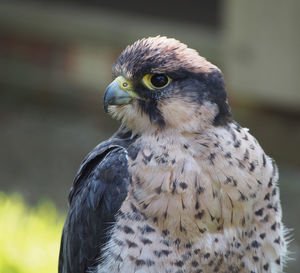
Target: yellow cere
x: 148, y: 83
x: 126, y: 85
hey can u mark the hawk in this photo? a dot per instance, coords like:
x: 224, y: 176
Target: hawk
x: 180, y: 187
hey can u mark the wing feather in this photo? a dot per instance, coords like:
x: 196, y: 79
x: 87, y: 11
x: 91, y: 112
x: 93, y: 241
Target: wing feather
x: 98, y: 191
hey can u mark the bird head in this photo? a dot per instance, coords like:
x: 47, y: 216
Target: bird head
x: 160, y: 83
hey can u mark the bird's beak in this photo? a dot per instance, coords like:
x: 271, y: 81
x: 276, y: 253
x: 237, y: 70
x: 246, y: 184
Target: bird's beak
x: 119, y: 92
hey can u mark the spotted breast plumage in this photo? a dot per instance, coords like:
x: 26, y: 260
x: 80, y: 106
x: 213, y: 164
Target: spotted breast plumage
x: 181, y: 187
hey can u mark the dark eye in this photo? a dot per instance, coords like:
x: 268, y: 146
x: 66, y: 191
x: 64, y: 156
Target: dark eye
x: 156, y: 81
x: 159, y: 80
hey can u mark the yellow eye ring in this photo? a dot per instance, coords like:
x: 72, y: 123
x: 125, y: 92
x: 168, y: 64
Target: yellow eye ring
x: 156, y: 81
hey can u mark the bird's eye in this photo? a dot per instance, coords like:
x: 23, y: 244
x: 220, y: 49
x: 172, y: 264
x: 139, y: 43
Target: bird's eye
x: 156, y: 81
x: 159, y: 80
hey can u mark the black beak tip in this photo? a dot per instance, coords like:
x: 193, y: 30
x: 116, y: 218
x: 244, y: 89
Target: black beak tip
x: 105, y: 103
x: 105, y: 107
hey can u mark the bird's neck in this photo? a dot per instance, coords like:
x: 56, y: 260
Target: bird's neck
x: 166, y: 177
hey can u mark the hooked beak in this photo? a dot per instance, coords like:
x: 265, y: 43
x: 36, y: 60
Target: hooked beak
x: 119, y: 92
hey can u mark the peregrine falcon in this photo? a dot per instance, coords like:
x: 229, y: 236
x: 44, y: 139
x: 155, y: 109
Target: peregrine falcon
x: 180, y: 187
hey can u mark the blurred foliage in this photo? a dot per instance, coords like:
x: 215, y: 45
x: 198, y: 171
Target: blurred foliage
x: 29, y: 237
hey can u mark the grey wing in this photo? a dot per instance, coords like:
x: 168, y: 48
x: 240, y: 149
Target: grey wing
x: 97, y: 194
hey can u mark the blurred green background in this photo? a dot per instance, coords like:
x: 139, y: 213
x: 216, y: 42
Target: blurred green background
x: 55, y: 62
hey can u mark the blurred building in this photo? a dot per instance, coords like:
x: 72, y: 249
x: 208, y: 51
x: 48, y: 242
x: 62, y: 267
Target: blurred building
x: 55, y: 61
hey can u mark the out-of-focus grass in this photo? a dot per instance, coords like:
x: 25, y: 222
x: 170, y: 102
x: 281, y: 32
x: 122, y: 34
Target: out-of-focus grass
x: 29, y: 237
